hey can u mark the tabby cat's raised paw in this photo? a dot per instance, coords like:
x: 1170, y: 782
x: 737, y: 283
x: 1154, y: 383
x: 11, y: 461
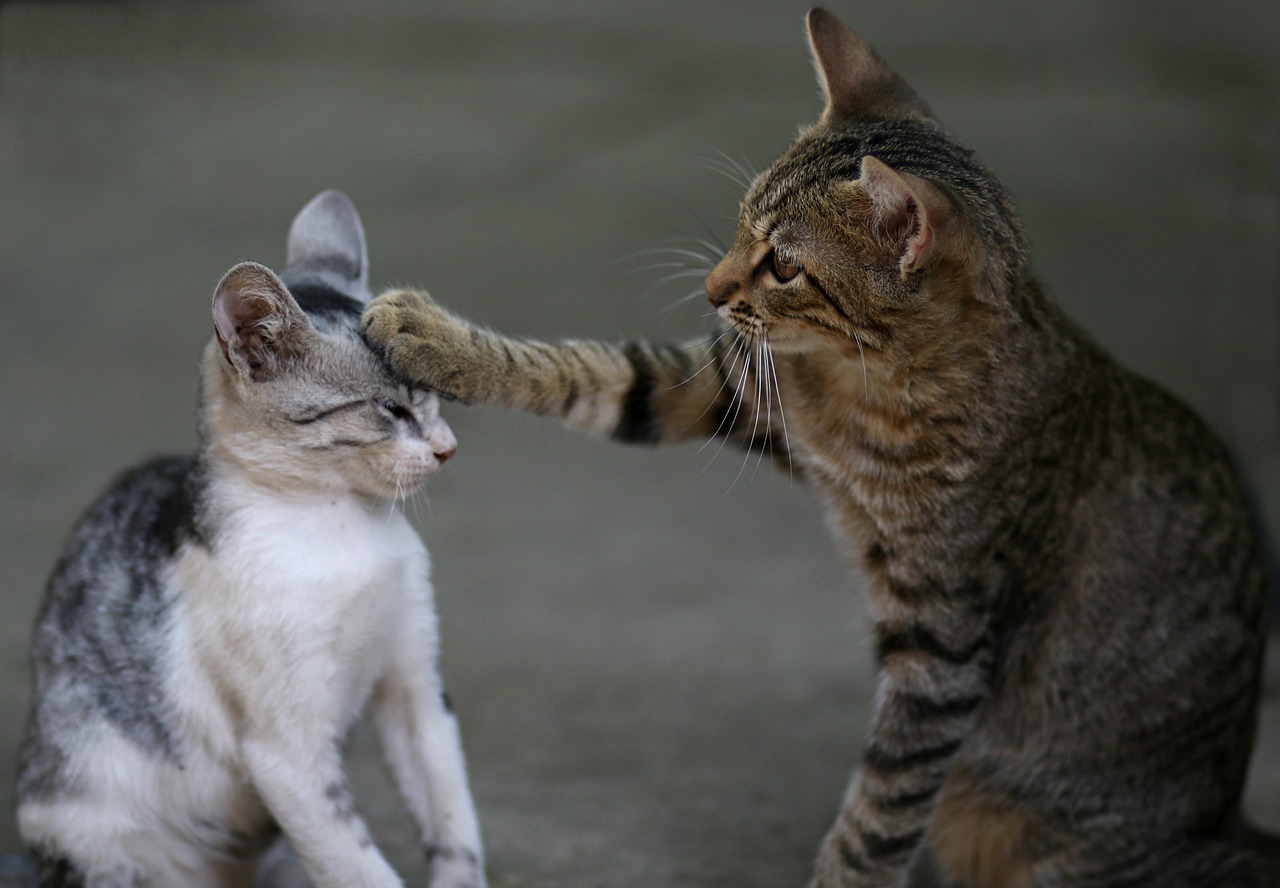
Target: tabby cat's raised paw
x: 424, y: 344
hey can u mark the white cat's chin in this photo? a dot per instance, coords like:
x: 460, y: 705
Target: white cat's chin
x: 401, y: 487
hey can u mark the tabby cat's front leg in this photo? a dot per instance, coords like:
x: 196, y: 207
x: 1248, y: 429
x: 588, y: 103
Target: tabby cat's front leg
x: 636, y: 392
x: 932, y: 689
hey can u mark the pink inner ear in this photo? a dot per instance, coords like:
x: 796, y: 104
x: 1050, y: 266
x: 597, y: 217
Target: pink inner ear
x: 236, y: 322
x: 901, y: 215
x: 919, y: 243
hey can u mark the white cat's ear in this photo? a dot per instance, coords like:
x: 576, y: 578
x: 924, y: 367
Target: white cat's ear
x: 258, y: 324
x: 856, y: 82
x: 909, y: 215
x: 327, y: 246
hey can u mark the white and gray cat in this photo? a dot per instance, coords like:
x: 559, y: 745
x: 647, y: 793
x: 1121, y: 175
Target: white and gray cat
x: 216, y: 623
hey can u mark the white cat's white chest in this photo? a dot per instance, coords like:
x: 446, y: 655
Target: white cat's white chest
x: 301, y: 600
x: 322, y: 547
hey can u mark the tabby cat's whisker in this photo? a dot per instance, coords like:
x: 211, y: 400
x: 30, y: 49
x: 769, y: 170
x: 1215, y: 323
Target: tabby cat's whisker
x: 690, y: 254
x: 677, y: 247
x: 767, y: 394
x: 717, y: 249
x: 729, y: 172
x: 740, y: 351
x: 782, y: 413
x: 755, y: 419
x: 738, y: 171
x: 687, y: 297
x: 655, y: 266
x: 710, y: 348
x: 688, y: 273
x: 762, y: 405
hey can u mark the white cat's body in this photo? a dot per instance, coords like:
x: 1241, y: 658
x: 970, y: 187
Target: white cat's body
x: 315, y: 605
x: 218, y: 623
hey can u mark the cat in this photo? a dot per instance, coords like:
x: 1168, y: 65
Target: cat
x: 1066, y: 590
x: 217, y: 622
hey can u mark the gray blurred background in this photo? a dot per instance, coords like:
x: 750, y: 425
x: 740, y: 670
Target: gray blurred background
x: 660, y: 663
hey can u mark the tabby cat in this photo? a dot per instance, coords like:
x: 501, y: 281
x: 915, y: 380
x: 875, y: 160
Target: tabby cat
x: 1066, y: 591
x: 217, y: 622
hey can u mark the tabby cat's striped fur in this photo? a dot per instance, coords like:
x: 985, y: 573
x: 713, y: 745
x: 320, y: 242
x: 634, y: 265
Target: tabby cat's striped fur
x: 1067, y: 593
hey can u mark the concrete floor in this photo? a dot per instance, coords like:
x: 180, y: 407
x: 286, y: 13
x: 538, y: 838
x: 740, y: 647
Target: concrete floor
x: 661, y: 667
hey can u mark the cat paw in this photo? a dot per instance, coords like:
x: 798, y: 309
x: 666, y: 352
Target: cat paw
x: 398, y: 312
x: 456, y: 868
x: 421, y: 342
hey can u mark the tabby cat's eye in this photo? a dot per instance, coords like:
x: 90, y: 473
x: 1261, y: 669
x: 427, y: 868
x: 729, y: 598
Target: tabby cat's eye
x: 782, y: 268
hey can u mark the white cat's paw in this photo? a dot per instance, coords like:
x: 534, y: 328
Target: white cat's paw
x: 281, y: 868
x: 456, y: 868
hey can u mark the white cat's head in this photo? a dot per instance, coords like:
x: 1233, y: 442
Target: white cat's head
x: 291, y: 394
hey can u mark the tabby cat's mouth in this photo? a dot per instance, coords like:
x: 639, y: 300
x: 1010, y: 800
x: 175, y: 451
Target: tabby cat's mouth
x: 745, y: 322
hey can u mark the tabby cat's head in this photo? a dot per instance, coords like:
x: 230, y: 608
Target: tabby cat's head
x: 874, y: 230
x: 292, y: 394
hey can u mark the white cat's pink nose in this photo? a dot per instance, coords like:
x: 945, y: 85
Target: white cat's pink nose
x: 442, y: 456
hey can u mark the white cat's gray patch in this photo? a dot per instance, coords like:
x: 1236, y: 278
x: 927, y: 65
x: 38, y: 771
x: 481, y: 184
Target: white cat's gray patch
x: 100, y: 637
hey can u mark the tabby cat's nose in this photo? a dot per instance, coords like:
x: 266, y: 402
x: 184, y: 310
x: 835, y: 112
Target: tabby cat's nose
x: 721, y: 285
x: 442, y: 456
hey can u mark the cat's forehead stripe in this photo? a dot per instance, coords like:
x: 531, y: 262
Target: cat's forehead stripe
x: 318, y: 300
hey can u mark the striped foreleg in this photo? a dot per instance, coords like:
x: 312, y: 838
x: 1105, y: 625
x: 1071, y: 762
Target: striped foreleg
x: 637, y: 392
x: 931, y: 692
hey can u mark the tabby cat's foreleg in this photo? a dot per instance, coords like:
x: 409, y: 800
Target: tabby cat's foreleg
x: 932, y: 689
x: 635, y: 392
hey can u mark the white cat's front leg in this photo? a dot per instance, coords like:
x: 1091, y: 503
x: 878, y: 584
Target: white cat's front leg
x: 306, y: 791
x: 421, y: 742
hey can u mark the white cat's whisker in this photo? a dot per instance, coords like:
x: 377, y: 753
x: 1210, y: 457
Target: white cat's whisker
x: 421, y: 495
x: 391, y: 506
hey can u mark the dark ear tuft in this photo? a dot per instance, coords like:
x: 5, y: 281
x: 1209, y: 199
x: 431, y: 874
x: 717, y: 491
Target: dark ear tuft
x: 258, y: 324
x: 856, y: 83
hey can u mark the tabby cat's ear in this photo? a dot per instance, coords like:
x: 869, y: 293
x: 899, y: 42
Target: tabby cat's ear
x: 910, y: 215
x: 856, y: 82
x: 258, y: 324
